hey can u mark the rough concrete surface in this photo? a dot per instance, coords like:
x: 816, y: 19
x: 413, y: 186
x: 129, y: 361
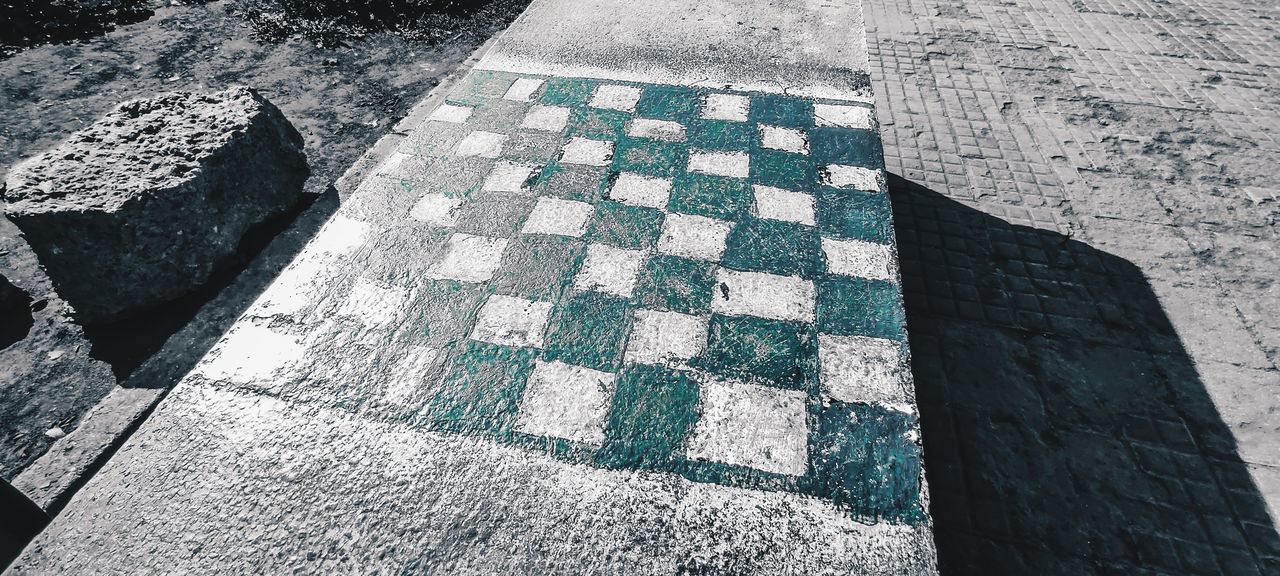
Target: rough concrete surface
x: 396, y: 399
x: 1087, y: 220
x: 807, y: 48
x: 145, y: 204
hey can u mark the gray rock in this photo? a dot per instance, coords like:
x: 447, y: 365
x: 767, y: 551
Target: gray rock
x: 145, y: 204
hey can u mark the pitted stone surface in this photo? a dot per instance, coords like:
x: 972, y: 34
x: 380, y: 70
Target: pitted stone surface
x: 140, y: 207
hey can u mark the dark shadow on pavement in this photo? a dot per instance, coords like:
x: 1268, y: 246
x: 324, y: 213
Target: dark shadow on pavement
x: 128, y: 343
x: 1066, y: 430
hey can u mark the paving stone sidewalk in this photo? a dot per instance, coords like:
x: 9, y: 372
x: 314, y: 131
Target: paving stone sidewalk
x: 575, y: 323
x: 1086, y: 204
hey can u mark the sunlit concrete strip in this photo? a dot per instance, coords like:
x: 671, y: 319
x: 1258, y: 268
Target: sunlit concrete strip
x: 597, y: 314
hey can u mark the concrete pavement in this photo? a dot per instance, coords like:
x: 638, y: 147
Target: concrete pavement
x: 626, y: 302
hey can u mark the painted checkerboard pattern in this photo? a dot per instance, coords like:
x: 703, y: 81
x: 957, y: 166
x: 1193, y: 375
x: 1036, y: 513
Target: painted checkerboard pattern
x: 699, y: 282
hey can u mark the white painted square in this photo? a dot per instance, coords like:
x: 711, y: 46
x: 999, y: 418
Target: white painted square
x: 522, y: 89
x: 508, y: 177
x: 665, y: 337
x: 859, y: 117
x: 786, y: 139
x: 864, y: 369
x: 726, y: 107
x: 656, y: 129
x: 616, y: 97
x: 638, y: 190
x: 856, y: 177
x: 469, y: 258
x: 693, y: 236
x: 546, y: 118
x: 754, y: 426
x: 251, y: 353
x: 450, y: 113
x: 587, y: 151
x: 610, y: 270
x: 391, y: 165
x: 859, y: 258
x: 785, y: 205
x: 406, y: 378
x: 732, y: 164
x: 436, y: 209
x: 511, y: 321
x: 483, y: 144
x: 763, y: 295
x: 566, y: 401
x: 559, y: 217
x: 373, y: 304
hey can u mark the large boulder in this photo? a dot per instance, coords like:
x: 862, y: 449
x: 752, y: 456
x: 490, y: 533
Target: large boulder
x: 145, y: 204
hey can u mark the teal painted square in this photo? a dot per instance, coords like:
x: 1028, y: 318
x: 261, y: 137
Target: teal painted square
x: 675, y: 103
x: 848, y: 305
x: 567, y: 91
x: 480, y: 87
x: 538, y: 267
x: 721, y: 135
x: 494, y: 214
x: 444, y: 312
x: 676, y: 284
x: 846, y: 146
x: 625, y: 226
x: 784, y: 354
x: 500, y: 116
x: 864, y: 459
x: 855, y: 214
x: 776, y: 247
x: 572, y: 182
x: 597, y: 123
x: 481, y: 391
x: 650, y: 157
x: 532, y: 147
x: 713, y: 196
x: 785, y: 111
x: 783, y: 170
x: 653, y: 411
x: 589, y: 329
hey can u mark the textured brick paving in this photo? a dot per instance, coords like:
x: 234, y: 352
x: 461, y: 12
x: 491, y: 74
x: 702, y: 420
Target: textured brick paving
x: 1086, y: 215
